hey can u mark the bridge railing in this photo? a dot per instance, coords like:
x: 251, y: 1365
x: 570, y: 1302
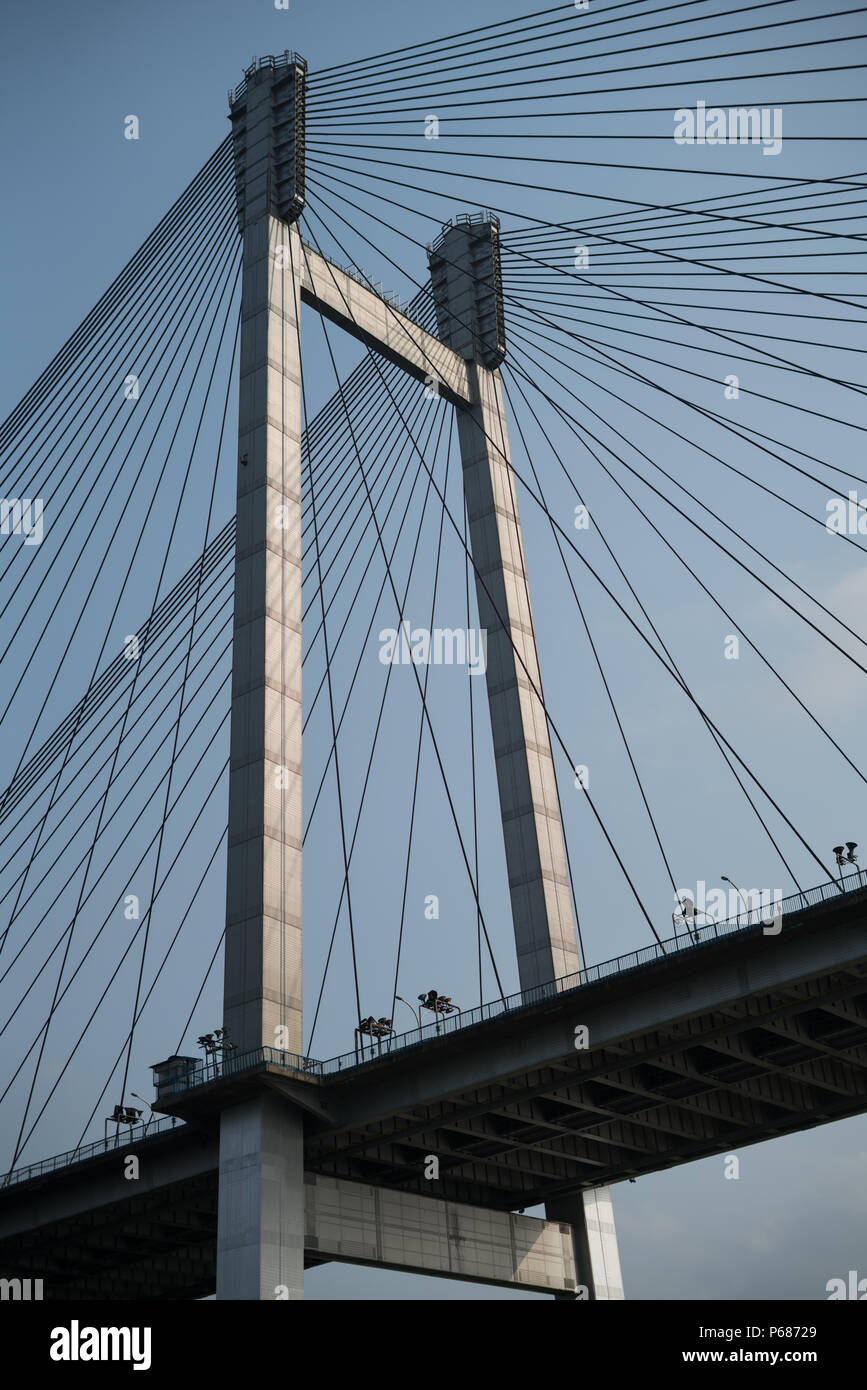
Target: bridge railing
x: 391, y: 297
x: 234, y: 1064
x: 768, y: 916
x: 280, y: 60
x: 99, y: 1146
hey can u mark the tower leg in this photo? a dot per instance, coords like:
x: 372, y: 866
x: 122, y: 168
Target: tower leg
x: 262, y: 990
x: 260, y: 1247
x: 535, y: 849
x: 466, y: 281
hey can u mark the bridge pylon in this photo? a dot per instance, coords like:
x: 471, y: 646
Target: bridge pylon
x: 467, y: 286
x: 261, y: 1212
x: 260, y: 1243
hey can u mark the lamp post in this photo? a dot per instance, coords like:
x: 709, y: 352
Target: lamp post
x: 215, y: 1045
x: 852, y: 858
x: 725, y: 879
x: 123, y: 1115
x: 144, y: 1102
x: 845, y: 854
x: 687, y: 907
x: 416, y: 1013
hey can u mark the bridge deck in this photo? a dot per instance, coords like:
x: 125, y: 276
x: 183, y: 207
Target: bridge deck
x: 734, y: 1041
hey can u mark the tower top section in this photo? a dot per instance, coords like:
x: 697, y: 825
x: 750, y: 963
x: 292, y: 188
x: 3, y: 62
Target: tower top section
x: 267, y: 112
x: 467, y: 286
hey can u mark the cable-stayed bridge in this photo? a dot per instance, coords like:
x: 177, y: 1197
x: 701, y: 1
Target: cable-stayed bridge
x: 156, y: 651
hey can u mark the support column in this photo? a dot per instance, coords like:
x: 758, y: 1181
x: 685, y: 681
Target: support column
x: 467, y: 287
x: 260, y: 1215
x: 465, y: 278
x: 260, y: 1252
x: 594, y: 1243
x: 263, y: 921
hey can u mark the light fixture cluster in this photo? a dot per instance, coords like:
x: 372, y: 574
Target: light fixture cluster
x: 845, y: 854
x: 375, y: 1027
x: 125, y: 1115
x: 379, y: 1028
x: 437, y: 1003
x: 215, y: 1043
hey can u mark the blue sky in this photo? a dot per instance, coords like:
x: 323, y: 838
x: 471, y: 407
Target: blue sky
x: 84, y: 200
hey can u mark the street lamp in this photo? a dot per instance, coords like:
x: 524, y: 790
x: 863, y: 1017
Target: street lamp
x: 123, y: 1115
x: 144, y: 1102
x: 687, y: 907
x: 725, y: 879
x: 682, y: 918
x: 852, y: 858
x: 842, y: 857
x: 416, y: 1013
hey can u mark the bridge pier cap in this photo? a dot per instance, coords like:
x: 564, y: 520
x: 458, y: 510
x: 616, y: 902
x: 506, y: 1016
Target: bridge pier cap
x: 467, y: 285
x: 267, y: 112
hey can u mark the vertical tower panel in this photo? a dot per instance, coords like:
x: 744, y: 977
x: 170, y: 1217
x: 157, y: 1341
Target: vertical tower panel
x: 263, y: 924
x: 467, y: 286
x: 260, y: 1251
x: 465, y: 276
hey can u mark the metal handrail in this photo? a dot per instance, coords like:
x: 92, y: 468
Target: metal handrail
x: 234, y: 1064
x: 280, y: 60
x: 390, y: 297
x: 462, y: 219
x: 618, y: 965
x: 85, y: 1151
x: 523, y: 999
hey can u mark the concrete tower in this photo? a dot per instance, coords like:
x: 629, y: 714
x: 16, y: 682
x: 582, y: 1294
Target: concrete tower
x: 262, y: 1221
x: 467, y: 286
x: 261, y: 1201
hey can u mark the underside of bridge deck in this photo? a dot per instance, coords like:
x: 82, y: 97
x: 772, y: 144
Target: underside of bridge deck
x: 745, y: 1040
x: 728, y: 1044
x: 780, y: 1062
x: 161, y: 1244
